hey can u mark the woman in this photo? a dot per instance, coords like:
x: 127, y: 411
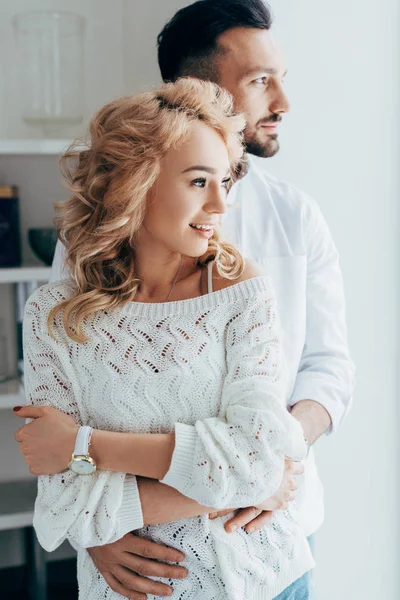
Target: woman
x: 167, y: 345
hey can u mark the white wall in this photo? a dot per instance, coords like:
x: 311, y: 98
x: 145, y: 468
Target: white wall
x: 340, y: 144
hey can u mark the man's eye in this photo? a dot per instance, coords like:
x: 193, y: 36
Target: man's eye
x: 201, y: 182
x: 261, y: 80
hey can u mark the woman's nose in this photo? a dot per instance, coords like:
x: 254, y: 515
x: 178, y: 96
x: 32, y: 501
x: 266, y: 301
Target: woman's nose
x: 217, y: 201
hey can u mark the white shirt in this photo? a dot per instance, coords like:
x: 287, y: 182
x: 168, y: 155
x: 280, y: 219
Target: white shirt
x: 283, y: 229
x: 211, y: 369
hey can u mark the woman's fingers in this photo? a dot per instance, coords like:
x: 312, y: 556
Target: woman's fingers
x: 244, y: 516
x: 17, y: 434
x: 134, y: 582
x: 29, y: 411
x: 117, y: 587
x: 220, y: 513
x: 296, y: 468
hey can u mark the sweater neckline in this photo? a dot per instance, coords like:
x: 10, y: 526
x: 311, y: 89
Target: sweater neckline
x: 243, y: 290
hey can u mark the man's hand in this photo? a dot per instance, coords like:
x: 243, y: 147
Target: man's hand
x: 254, y: 518
x: 127, y: 564
x: 314, y: 419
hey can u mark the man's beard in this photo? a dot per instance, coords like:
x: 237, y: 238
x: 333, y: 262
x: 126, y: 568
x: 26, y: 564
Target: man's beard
x: 268, y: 148
x: 263, y: 150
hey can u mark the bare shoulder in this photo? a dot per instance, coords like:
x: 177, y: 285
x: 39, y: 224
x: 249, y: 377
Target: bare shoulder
x: 251, y: 269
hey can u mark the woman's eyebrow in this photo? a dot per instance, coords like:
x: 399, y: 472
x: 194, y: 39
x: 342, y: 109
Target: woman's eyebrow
x: 210, y: 170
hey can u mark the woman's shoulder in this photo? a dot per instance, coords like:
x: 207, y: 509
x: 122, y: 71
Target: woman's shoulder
x: 47, y: 296
x: 252, y: 270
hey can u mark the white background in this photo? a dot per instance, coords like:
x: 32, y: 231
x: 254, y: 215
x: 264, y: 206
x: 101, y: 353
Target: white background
x: 340, y: 144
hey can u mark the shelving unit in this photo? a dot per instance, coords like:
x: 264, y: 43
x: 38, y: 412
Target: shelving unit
x: 39, y: 146
x: 11, y: 392
x: 17, y: 499
x: 16, y: 503
x: 25, y: 273
x: 30, y: 163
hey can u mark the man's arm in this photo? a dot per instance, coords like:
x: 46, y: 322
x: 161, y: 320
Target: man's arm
x: 325, y: 381
x: 313, y: 417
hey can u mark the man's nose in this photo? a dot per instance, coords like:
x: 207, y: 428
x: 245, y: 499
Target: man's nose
x: 280, y: 102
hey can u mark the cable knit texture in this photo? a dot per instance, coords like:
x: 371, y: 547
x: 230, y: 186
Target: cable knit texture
x: 211, y: 369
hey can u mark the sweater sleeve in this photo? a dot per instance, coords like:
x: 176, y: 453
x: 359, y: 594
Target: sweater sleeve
x: 237, y: 459
x: 88, y: 510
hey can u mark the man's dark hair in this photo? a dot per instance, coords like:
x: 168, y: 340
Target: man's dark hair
x: 188, y: 43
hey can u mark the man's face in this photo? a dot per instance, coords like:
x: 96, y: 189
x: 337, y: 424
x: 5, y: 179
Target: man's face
x: 252, y: 69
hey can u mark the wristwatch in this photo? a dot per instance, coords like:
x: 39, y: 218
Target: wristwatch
x: 81, y: 463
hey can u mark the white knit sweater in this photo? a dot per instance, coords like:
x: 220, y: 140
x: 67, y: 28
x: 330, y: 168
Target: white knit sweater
x: 208, y: 367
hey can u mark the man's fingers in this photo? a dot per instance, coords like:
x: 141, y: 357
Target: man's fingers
x: 148, y: 549
x: 134, y: 582
x: 259, y: 522
x: 242, y: 518
x: 117, y: 587
x: 152, y: 568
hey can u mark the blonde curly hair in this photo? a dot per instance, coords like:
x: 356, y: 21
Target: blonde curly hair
x: 110, y: 180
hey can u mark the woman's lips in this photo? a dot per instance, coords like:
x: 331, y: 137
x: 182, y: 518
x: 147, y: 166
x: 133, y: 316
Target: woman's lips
x: 204, y: 233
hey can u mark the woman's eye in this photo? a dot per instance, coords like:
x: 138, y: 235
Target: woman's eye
x: 226, y: 182
x: 201, y: 182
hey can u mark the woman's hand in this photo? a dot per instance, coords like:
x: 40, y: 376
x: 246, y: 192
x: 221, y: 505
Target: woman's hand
x: 48, y: 442
x: 287, y: 490
x: 254, y: 518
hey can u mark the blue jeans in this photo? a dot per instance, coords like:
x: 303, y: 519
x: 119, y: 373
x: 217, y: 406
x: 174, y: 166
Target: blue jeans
x: 302, y: 589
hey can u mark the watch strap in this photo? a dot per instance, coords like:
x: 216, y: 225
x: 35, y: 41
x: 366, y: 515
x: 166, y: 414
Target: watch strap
x: 83, y: 440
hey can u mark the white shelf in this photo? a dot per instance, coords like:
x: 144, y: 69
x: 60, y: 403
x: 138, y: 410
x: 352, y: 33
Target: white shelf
x: 28, y: 273
x: 34, y: 146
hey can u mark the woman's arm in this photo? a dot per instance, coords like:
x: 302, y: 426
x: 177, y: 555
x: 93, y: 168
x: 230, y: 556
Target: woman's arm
x: 91, y: 511
x: 238, y: 459
x: 150, y: 454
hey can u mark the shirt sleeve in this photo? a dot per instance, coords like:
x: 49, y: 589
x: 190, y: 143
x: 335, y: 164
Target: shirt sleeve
x: 237, y: 459
x: 88, y: 510
x: 326, y: 371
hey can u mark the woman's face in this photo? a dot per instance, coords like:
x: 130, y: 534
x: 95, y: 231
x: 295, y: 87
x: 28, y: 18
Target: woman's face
x: 189, y: 196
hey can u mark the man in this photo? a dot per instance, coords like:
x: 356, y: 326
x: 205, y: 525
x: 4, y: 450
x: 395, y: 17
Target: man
x: 229, y: 42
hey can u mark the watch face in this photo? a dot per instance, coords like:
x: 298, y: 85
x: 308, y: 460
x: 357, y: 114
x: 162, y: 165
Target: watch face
x: 82, y: 466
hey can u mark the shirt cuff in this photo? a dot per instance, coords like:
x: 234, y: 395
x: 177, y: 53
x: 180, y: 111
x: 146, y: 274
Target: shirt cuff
x: 130, y: 515
x: 178, y: 475
x: 314, y: 389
